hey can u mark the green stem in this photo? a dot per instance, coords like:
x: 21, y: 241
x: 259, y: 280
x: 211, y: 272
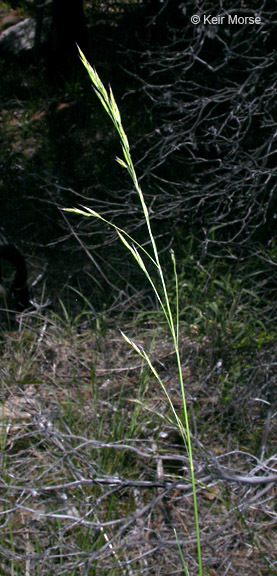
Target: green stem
x: 109, y: 103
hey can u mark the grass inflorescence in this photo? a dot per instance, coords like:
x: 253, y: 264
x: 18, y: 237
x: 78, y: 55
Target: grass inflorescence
x: 141, y: 257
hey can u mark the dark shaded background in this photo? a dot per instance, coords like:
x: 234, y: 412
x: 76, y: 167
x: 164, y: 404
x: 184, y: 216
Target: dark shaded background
x: 198, y: 104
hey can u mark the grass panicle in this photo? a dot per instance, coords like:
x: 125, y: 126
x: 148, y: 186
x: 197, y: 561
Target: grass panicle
x: 160, y: 289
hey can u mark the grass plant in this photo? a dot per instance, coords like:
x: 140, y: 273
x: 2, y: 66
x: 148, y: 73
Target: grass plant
x: 148, y: 260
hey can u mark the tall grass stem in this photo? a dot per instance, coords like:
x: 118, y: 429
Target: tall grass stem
x: 137, y: 251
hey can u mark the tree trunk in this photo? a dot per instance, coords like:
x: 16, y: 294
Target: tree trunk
x: 68, y: 30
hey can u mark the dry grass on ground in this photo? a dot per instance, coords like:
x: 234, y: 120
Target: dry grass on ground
x: 95, y: 478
